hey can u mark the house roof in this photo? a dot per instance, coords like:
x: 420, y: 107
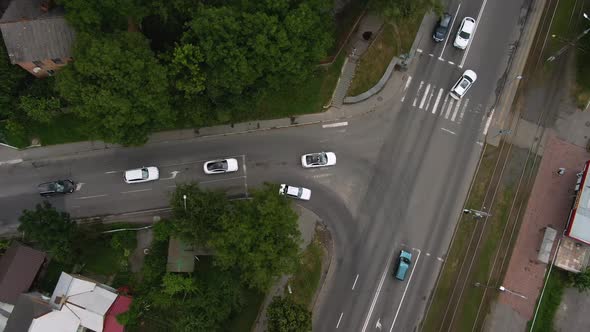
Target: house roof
x: 27, y: 308
x: 77, y: 302
x: 31, y: 34
x: 121, y: 305
x: 18, y: 268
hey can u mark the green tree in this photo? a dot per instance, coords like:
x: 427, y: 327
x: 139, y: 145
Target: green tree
x: 259, y: 237
x: 396, y: 10
x: 118, y: 86
x: 53, y: 231
x: 103, y: 15
x: 11, y: 79
x: 284, y: 315
x: 581, y: 280
x: 249, y: 46
x: 40, y: 109
x: 199, y: 218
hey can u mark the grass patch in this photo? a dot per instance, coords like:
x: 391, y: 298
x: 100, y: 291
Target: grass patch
x: 394, y: 39
x: 558, y: 281
x: 459, y: 246
x: 304, y: 99
x: 305, y: 281
x: 344, y: 22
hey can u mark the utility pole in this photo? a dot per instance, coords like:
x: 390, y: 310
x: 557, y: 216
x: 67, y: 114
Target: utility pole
x: 572, y: 43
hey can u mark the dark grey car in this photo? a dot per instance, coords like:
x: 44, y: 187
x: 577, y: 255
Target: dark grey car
x: 442, y: 28
x: 58, y: 187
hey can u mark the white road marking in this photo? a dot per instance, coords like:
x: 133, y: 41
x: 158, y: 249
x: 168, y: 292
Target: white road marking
x: 173, y: 175
x: 226, y: 179
x: 355, y: 279
x: 418, y: 50
x: 450, y: 29
x: 463, y: 110
x: 430, y: 54
x: 334, y: 125
x: 437, y: 100
x: 441, y: 59
x: 111, y: 172
x: 442, y: 108
x: 378, y: 324
x: 89, y: 197
x: 79, y: 185
x: 406, y: 87
x: 451, y: 63
x: 11, y: 162
x: 456, y: 110
x: 440, y: 259
x: 448, y: 131
x: 319, y: 176
x: 473, y: 33
x: 487, y: 126
x: 480, y: 143
x: 417, y: 93
x: 427, y: 254
x: 194, y: 162
x: 405, y: 290
x: 135, y: 191
x: 378, y: 290
x: 449, y: 107
x: 425, y: 95
x: 338, y: 324
x: 430, y: 97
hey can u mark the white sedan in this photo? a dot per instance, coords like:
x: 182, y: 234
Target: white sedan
x: 318, y: 159
x: 295, y: 192
x: 464, y: 33
x: 221, y: 166
x: 463, y: 84
x: 143, y: 174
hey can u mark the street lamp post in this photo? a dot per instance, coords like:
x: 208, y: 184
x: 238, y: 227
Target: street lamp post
x: 476, y: 213
x: 501, y: 289
x: 184, y: 198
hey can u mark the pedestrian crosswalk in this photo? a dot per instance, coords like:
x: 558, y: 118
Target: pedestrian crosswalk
x: 431, y: 98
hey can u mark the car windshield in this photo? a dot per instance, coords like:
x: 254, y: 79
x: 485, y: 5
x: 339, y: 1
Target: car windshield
x: 144, y: 173
x: 300, y: 192
x: 317, y: 159
x: 464, y: 34
x: 406, y: 260
x: 56, y: 186
x: 218, y: 165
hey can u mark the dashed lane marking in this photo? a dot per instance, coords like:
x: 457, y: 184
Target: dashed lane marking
x: 418, y: 50
x: 89, y: 197
x: 135, y: 191
x: 339, y: 319
x: 334, y: 125
x: 355, y: 280
x: 448, y: 131
x: 451, y: 63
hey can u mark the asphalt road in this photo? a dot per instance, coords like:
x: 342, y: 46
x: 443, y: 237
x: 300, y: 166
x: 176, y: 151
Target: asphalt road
x: 402, y: 175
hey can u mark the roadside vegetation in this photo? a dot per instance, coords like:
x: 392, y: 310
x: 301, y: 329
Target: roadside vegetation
x: 494, y: 248
x: 252, y: 243
x: 567, y: 24
x: 151, y: 65
x: 558, y: 281
x: 402, y: 21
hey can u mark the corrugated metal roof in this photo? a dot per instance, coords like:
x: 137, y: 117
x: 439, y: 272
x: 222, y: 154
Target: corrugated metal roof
x: 27, y: 41
x: 18, y: 267
x: 18, y: 10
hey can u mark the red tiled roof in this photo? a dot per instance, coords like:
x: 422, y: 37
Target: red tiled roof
x: 121, y: 305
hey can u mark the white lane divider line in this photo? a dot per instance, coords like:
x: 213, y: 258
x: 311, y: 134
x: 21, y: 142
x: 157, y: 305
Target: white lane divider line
x: 79, y: 185
x: 428, y: 254
x: 463, y: 110
x: 430, y: 97
x: 487, y: 126
x: 456, y: 110
x: 418, y: 93
x: 406, y: 87
x: 376, y: 296
x: 111, y: 172
x: 339, y: 319
x: 424, y: 96
x: 437, y: 100
x: 447, y: 37
x: 355, y: 279
x: 431, y: 54
x: 89, y: 197
x: 450, y: 106
x: 11, y: 162
x: 483, y: 6
x: 451, y: 63
x: 448, y: 131
x: 406, y: 289
x: 440, y: 259
x: 334, y: 125
x: 135, y: 191
x: 418, y: 50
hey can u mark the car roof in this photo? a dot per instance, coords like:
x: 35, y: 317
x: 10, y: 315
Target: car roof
x: 446, y: 19
x: 134, y: 174
x: 293, y: 190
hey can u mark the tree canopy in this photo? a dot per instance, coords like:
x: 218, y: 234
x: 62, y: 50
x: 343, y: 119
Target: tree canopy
x: 284, y: 315
x: 53, y: 231
x: 103, y: 15
x: 118, y: 86
x: 259, y: 237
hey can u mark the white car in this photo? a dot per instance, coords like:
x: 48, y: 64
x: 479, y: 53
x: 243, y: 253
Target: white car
x: 465, y: 32
x: 143, y: 174
x: 318, y: 159
x: 221, y: 166
x: 295, y: 192
x: 463, y: 84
